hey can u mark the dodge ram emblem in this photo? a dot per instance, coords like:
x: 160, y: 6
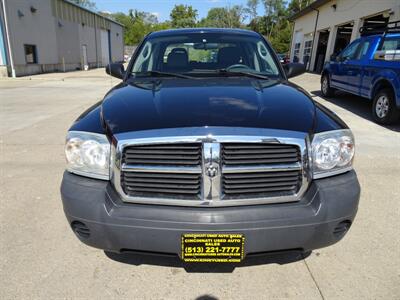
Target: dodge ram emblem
x: 211, y: 171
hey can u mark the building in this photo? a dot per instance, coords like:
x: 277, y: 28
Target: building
x: 325, y: 27
x: 38, y: 36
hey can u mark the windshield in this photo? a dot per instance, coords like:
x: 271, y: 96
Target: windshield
x: 205, y: 53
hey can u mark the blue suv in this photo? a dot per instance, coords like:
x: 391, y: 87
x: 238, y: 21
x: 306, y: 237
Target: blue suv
x: 369, y: 67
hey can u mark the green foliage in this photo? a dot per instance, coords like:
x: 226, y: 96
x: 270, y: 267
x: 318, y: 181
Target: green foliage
x: 183, y: 16
x: 297, y: 5
x: 85, y: 3
x: 274, y: 24
x: 281, y: 40
x: 251, y: 8
x: 200, y: 55
x: 138, y: 24
x: 224, y: 17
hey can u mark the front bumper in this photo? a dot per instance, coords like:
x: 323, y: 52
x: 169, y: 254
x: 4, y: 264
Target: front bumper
x: 313, y: 222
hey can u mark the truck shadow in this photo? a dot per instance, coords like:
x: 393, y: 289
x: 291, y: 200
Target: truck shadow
x: 355, y: 104
x: 165, y: 260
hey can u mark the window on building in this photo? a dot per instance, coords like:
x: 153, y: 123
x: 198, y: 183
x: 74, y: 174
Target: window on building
x: 307, y: 52
x: 296, y: 52
x: 30, y: 54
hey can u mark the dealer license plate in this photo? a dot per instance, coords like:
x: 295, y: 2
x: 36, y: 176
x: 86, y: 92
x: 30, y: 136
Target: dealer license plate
x: 212, y: 247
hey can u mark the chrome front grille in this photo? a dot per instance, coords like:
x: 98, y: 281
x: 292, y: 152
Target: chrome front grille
x: 205, y: 170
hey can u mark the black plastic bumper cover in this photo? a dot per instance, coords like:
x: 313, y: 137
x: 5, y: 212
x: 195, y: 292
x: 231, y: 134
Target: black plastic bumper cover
x: 114, y: 225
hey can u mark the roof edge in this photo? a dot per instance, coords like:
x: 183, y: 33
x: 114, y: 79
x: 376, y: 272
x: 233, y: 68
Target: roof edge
x: 313, y: 6
x: 93, y: 12
x: 205, y: 29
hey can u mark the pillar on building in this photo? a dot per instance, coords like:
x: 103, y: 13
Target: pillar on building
x: 331, y: 42
x: 355, y: 34
x: 314, y: 51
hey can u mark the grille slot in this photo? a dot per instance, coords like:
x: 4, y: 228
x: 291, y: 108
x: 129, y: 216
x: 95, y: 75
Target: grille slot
x: 273, y: 170
x: 260, y: 184
x: 162, y: 171
x: 165, y: 154
x: 166, y: 185
x: 259, y: 154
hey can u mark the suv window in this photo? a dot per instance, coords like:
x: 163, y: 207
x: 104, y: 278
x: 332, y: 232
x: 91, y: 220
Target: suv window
x: 391, y: 44
x: 350, y: 52
x: 363, y: 49
x: 389, y: 50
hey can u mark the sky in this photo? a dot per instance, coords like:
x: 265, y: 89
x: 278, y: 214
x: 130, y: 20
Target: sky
x: 162, y: 8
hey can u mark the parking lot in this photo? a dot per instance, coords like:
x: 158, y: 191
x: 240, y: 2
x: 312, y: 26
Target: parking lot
x: 41, y: 258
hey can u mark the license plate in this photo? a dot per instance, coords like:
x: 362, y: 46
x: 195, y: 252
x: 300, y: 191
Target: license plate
x: 212, y: 247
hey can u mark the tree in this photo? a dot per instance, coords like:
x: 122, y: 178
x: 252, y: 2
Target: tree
x: 297, y: 5
x: 236, y: 15
x: 137, y: 24
x: 85, y: 3
x: 224, y: 17
x: 280, y: 39
x: 274, y: 10
x: 251, y: 11
x: 274, y: 24
x: 251, y: 8
x: 183, y: 16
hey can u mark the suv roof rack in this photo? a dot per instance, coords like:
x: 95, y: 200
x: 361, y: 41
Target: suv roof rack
x: 390, y: 27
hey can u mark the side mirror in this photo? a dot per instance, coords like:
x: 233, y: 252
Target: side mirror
x: 334, y: 57
x: 116, y: 69
x: 294, y: 69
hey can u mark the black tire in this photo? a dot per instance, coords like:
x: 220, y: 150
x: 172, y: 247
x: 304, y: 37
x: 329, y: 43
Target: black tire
x: 326, y: 89
x: 384, y: 110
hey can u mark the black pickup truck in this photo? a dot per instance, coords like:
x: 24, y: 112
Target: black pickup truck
x: 206, y: 151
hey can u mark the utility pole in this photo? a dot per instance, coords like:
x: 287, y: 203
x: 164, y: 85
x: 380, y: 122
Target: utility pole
x: 8, y: 39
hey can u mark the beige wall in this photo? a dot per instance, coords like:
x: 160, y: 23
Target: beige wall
x: 346, y: 11
x: 32, y: 28
x: 58, y: 40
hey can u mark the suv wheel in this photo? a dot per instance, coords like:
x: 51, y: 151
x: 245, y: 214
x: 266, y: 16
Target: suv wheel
x: 384, y: 108
x: 326, y: 89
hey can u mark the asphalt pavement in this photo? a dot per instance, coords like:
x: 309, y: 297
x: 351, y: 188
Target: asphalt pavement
x: 41, y: 258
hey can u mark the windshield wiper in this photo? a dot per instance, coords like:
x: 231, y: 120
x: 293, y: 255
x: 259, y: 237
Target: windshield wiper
x: 159, y: 73
x: 242, y: 73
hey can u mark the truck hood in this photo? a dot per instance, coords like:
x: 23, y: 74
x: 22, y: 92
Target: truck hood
x: 238, y: 102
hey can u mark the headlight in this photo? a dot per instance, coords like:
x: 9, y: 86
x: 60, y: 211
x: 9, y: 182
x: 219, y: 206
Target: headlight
x: 88, y: 154
x: 332, y: 152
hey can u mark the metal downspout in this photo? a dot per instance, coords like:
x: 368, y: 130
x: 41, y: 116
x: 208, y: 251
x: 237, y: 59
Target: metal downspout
x: 95, y: 40
x: 8, y: 40
x: 315, y: 31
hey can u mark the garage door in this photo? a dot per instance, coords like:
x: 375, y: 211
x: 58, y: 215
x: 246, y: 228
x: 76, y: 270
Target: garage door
x: 105, y: 49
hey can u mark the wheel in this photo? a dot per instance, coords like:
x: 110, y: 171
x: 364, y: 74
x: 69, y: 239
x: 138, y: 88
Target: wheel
x: 326, y: 89
x: 384, y: 108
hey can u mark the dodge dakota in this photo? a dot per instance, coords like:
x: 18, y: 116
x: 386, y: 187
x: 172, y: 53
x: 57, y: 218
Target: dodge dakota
x: 206, y: 151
